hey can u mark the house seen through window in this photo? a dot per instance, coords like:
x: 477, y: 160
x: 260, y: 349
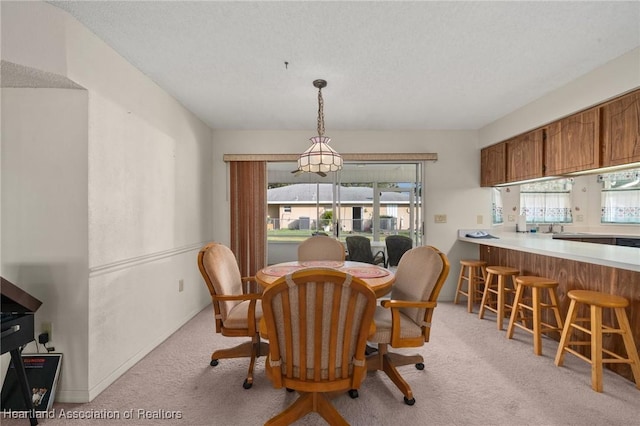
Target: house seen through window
x: 370, y: 199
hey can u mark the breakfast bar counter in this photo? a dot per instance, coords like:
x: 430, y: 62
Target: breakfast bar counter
x: 537, y: 243
x: 604, y: 268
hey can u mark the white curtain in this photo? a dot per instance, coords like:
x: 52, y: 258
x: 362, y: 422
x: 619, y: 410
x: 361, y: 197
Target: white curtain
x: 621, y: 206
x: 547, y: 207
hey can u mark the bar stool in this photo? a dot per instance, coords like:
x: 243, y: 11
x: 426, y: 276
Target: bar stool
x: 500, y: 290
x: 534, y: 304
x: 475, y: 275
x: 597, y: 301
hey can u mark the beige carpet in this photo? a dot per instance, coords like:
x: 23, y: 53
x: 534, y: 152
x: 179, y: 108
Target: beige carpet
x: 473, y: 376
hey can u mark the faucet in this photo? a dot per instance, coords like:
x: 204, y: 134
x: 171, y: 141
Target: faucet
x: 553, y: 225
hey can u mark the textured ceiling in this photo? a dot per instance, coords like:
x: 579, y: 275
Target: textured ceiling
x: 389, y: 65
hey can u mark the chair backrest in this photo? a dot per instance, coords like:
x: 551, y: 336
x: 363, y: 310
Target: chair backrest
x: 420, y: 276
x: 318, y: 321
x: 219, y: 269
x: 320, y: 247
x: 397, y: 245
x: 359, y: 249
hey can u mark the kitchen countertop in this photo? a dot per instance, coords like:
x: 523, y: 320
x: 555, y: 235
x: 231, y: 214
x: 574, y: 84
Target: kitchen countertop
x: 592, y: 235
x: 538, y: 243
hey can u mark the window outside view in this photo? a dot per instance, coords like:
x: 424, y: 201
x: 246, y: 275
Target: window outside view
x: 369, y: 199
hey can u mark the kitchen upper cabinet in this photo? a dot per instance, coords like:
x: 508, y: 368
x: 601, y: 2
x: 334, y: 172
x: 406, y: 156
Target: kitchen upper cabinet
x: 621, y: 130
x: 493, y: 165
x: 524, y: 156
x: 573, y: 143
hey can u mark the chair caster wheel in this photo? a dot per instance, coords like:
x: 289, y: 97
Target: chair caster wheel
x: 409, y: 401
x: 213, y: 362
x: 420, y: 366
x: 289, y: 390
x: 353, y: 393
x: 247, y: 384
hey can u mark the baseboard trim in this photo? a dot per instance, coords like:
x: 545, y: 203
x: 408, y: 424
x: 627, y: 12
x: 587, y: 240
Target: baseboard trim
x: 138, y: 260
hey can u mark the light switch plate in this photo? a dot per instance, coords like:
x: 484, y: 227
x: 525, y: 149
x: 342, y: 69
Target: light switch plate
x: 440, y: 218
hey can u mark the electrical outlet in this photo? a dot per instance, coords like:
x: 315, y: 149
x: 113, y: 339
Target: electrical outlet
x: 180, y: 285
x: 440, y: 218
x: 579, y: 218
x: 479, y: 219
x: 511, y: 218
x: 47, y: 327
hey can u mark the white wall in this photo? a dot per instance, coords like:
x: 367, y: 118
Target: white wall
x: 44, y: 212
x: 146, y: 211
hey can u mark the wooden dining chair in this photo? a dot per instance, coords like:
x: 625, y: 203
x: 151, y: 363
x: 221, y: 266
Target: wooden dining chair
x: 320, y: 247
x: 236, y: 305
x: 317, y: 321
x: 404, y: 321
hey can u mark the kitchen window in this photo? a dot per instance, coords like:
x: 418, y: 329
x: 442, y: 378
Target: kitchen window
x: 620, y: 197
x: 547, y: 202
x: 496, y: 206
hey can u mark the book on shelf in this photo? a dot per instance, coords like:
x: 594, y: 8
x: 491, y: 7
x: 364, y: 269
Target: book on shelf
x: 43, y: 371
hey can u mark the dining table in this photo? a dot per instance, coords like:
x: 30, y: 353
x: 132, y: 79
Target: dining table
x: 379, y: 279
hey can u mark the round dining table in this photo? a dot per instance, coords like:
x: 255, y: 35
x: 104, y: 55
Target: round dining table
x: 377, y: 278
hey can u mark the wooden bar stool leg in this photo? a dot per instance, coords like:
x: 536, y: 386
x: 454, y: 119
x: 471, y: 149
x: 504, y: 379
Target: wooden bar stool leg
x: 515, y: 311
x: 556, y: 308
x: 471, y: 288
x: 566, y: 333
x: 632, y: 352
x: 596, y: 348
x: 485, y: 294
x: 537, y: 335
x: 484, y: 282
x: 459, y: 287
x: 500, y: 306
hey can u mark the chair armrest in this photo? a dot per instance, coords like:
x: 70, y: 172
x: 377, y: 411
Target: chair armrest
x: 390, y: 304
x: 250, y: 285
x: 396, y: 340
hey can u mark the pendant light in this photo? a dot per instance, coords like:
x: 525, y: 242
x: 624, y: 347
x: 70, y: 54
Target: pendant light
x: 320, y: 157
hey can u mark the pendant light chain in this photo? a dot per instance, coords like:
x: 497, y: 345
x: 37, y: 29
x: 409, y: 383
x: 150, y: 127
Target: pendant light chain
x: 320, y: 113
x: 320, y: 158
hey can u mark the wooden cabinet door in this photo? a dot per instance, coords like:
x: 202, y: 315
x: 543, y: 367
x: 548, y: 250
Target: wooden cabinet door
x: 524, y: 156
x: 573, y: 143
x: 493, y: 165
x: 621, y: 130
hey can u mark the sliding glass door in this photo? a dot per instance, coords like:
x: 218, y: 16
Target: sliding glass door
x: 373, y: 199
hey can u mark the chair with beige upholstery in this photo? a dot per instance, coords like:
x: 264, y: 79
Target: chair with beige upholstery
x: 236, y: 305
x: 317, y: 321
x: 320, y: 247
x: 404, y: 321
